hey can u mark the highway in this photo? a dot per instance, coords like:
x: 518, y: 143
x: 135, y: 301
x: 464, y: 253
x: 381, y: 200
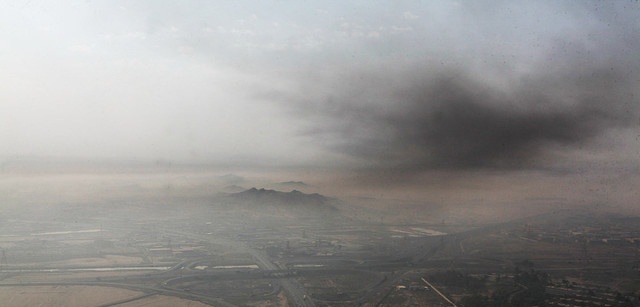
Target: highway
x: 293, y: 288
x: 159, y: 282
x: 438, y: 291
x: 171, y: 282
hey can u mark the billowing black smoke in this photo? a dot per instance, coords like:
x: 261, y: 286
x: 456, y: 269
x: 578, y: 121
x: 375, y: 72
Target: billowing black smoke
x: 448, y: 112
x: 452, y: 119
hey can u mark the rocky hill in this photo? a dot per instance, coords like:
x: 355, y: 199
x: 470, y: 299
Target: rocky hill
x: 294, y: 197
x: 294, y: 203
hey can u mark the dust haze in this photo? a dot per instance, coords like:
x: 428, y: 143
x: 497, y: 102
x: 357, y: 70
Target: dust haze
x: 436, y: 153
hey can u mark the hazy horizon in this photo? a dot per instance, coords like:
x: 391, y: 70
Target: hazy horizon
x: 439, y: 100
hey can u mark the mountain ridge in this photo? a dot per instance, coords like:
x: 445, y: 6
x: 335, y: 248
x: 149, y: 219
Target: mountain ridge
x: 293, y: 198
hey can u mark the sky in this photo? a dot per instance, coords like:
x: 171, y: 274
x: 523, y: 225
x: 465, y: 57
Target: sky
x: 385, y: 90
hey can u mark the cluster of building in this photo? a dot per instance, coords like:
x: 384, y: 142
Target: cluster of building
x: 612, y: 234
x: 571, y: 294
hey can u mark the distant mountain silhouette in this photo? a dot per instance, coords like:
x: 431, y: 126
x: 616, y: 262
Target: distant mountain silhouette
x: 294, y: 198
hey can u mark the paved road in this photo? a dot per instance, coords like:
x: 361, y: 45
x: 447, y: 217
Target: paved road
x: 438, y: 292
x: 293, y: 288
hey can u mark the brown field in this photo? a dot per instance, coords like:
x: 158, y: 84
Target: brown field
x: 70, y: 296
x: 73, y: 296
x: 96, y: 262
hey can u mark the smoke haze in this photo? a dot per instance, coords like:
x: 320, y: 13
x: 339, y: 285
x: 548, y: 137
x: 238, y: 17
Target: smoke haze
x: 425, y: 119
x: 387, y: 89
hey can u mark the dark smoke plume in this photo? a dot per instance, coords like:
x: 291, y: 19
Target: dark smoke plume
x: 417, y: 120
x: 449, y: 112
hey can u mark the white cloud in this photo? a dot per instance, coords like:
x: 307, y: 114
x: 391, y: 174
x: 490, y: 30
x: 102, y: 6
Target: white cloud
x: 400, y: 29
x: 409, y: 15
x: 80, y: 48
x: 185, y: 49
x: 241, y: 32
x: 134, y: 35
x: 374, y: 34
